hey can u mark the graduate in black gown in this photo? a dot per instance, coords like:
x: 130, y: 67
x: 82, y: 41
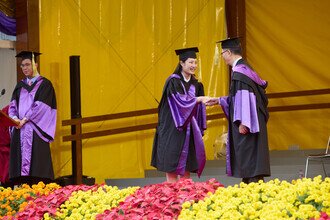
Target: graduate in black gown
x: 178, y: 147
x: 247, y: 154
x: 33, y: 106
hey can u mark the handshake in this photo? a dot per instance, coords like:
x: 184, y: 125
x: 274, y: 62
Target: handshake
x: 208, y: 101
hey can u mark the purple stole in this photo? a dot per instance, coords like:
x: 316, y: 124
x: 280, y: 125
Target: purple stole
x: 40, y: 117
x: 188, y: 114
x: 245, y: 107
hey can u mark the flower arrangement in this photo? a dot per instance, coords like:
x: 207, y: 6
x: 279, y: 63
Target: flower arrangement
x: 160, y: 201
x: 87, y: 204
x: 13, y: 201
x: 48, y: 204
x: 300, y: 199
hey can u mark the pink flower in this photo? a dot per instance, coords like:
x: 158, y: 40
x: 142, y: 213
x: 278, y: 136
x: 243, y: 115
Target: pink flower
x: 160, y: 201
x: 49, y: 204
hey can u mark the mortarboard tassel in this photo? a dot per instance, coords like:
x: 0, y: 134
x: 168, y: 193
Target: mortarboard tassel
x: 34, y: 68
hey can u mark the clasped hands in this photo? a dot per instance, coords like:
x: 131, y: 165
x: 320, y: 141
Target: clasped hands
x: 21, y: 122
x: 208, y: 101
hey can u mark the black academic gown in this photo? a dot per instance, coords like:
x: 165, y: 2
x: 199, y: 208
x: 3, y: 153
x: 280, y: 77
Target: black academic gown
x: 37, y: 133
x: 169, y: 140
x: 249, y: 153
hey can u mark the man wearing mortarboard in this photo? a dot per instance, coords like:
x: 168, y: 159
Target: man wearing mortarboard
x: 178, y: 147
x: 247, y: 154
x: 33, y: 106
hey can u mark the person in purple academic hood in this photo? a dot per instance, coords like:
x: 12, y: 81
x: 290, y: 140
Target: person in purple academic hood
x: 178, y: 147
x: 33, y: 106
x: 247, y: 153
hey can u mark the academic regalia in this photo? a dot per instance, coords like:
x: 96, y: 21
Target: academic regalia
x: 30, y: 154
x: 247, y: 154
x: 4, y: 150
x: 178, y: 144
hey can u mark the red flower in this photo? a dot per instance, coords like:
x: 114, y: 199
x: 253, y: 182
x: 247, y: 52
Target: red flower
x: 49, y: 204
x: 160, y: 201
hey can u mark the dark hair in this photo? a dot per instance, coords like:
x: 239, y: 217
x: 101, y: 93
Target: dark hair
x: 236, y: 50
x: 177, y: 69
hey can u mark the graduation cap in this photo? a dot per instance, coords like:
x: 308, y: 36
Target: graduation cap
x: 230, y: 43
x: 27, y: 55
x: 186, y: 53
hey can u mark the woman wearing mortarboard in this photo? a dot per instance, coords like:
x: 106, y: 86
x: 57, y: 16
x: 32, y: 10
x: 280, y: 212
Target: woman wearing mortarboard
x: 33, y: 106
x: 178, y: 147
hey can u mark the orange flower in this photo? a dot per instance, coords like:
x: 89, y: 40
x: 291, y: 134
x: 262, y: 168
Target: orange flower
x: 9, y: 208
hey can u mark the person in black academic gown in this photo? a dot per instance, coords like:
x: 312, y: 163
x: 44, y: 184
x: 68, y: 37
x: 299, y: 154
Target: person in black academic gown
x: 33, y: 106
x: 178, y: 147
x: 246, y: 110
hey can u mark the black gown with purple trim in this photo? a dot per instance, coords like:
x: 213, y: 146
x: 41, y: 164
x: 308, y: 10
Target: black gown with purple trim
x: 247, y: 154
x: 30, y: 154
x: 170, y: 137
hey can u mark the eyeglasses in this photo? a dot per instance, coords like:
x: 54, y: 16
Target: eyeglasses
x: 25, y: 65
x: 224, y: 52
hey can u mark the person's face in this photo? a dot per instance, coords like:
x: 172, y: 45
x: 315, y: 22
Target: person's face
x: 27, y: 69
x: 226, y: 55
x: 189, y: 66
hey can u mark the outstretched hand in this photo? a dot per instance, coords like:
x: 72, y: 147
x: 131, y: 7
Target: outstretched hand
x: 203, y: 99
x: 212, y: 101
x: 209, y: 101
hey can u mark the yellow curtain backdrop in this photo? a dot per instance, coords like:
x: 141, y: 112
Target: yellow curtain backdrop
x: 126, y: 50
x: 288, y: 45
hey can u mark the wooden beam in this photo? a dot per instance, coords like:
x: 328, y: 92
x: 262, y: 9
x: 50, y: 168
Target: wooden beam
x: 109, y: 117
x: 109, y: 132
x: 236, y: 21
x: 27, y: 28
x: 77, y: 171
x: 78, y: 136
x: 298, y: 93
x: 298, y: 107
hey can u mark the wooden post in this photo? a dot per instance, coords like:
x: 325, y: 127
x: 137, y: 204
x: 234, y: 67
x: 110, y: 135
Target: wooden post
x: 236, y: 21
x: 76, y: 145
x: 27, y: 28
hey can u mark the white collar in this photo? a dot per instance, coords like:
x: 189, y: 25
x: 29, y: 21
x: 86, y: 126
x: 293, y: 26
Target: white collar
x: 33, y: 78
x: 235, y: 62
x: 186, y: 80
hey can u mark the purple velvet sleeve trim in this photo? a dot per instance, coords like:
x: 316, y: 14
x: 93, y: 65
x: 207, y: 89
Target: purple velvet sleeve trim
x: 44, y: 117
x: 199, y: 147
x: 228, y: 152
x: 241, y: 68
x: 12, y: 111
x: 26, y: 136
x: 181, y: 168
x: 224, y: 102
x: 245, y: 110
x: 182, y: 108
x: 201, y: 117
